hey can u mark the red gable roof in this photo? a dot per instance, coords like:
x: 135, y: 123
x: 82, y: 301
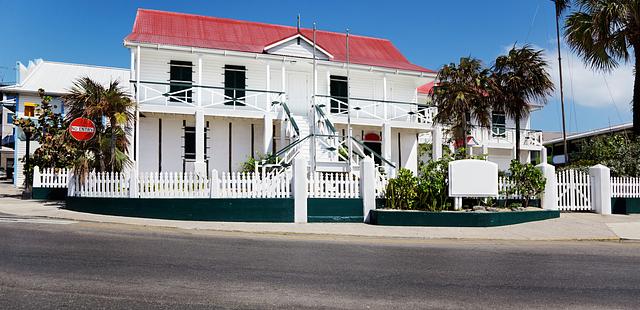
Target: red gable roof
x: 158, y: 27
x: 426, y: 89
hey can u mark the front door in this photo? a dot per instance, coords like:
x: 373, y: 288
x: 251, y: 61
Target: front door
x: 298, y: 93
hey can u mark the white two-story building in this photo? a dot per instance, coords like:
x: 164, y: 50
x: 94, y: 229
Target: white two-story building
x: 213, y: 92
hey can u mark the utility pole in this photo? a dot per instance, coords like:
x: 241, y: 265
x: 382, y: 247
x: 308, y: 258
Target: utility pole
x: 564, y: 126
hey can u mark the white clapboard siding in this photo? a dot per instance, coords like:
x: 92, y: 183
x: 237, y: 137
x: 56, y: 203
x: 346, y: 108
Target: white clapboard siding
x: 50, y: 177
x: 574, y: 190
x: 625, y: 187
x: 333, y: 185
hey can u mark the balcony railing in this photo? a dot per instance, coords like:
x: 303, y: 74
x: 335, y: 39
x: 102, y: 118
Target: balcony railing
x: 384, y: 110
x: 211, y: 97
x: 506, y: 135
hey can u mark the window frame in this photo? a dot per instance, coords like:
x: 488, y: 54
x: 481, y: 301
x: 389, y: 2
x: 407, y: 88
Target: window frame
x: 498, y: 129
x: 339, y: 93
x: 176, y: 85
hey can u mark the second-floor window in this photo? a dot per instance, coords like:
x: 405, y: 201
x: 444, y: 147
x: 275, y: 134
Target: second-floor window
x: 498, y: 124
x: 339, y: 89
x: 29, y: 109
x: 180, y: 81
x: 234, y: 84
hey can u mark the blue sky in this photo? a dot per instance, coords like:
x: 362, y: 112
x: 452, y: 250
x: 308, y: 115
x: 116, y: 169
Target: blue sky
x: 429, y: 33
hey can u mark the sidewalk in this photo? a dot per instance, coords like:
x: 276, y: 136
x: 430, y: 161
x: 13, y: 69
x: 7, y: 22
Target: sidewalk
x: 570, y: 226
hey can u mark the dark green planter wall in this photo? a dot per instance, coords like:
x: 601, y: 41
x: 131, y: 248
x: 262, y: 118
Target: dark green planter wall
x: 230, y: 210
x: 457, y: 219
x: 625, y: 205
x: 49, y: 193
x: 334, y: 210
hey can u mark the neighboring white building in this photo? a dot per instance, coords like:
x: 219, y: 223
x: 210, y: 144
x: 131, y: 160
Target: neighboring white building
x: 7, y: 107
x: 498, y: 141
x: 55, y: 78
x: 213, y: 92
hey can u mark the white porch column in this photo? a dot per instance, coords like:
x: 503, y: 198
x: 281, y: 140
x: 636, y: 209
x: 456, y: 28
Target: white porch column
x: 200, y: 167
x: 549, y: 199
x: 137, y: 126
x: 543, y: 155
x: 601, y: 188
x: 367, y: 186
x: 386, y: 143
x: 267, y: 136
x: 284, y: 79
x: 436, y: 142
x: 299, y: 188
x: 384, y: 97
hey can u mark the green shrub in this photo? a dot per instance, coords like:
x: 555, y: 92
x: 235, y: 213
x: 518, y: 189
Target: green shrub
x: 401, y: 191
x: 432, y: 190
x: 528, y: 181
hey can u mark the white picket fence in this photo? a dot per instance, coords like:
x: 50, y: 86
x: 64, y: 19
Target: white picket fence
x: 100, y: 184
x: 172, y: 185
x: 625, y: 187
x: 50, y: 177
x: 184, y: 185
x: 253, y: 185
x: 574, y: 190
x: 333, y: 185
x: 381, y: 183
x: 504, y: 185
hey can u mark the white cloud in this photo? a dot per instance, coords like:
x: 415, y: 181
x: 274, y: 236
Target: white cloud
x: 588, y: 87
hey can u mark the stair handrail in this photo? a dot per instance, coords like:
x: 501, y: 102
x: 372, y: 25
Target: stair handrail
x: 287, y: 112
x: 325, y: 119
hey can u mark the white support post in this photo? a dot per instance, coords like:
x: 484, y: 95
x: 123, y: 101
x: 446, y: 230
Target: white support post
x: 543, y: 155
x: 549, y: 199
x: 283, y: 131
x: 137, y: 127
x: 367, y: 187
x: 299, y: 188
x: 215, y: 184
x: 36, y: 178
x: 268, y: 87
x: 601, y: 188
x: 284, y: 79
x: 200, y: 167
x: 71, y: 183
x: 436, y: 142
x: 384, y: 97
x: 267, y: 136
x: 386, y: 143
x: 133, y: 184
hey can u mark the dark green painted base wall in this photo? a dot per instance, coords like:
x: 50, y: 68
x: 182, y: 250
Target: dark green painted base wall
x: 49, y: 193
x: 323, y: 210
x: 457, y: 219
x: 229, y: 210
x: 625, y: 205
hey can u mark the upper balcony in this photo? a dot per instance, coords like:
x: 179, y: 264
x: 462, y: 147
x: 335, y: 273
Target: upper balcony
x: 505, y: 137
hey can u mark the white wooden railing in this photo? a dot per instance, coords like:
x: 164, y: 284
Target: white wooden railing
x: 505, y: 184
x: 381, y: 183
x: 574, y: 190
x: 183, y: 185
x: 625, y: 187
x: 333, y: 185
x: 50, y: 177
x: 507, y: 136
x: 362, y: 108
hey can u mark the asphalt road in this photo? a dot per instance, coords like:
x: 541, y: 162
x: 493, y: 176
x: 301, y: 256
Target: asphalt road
x: 95, y: 266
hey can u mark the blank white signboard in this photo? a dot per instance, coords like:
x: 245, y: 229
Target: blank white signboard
x: 473, y: 178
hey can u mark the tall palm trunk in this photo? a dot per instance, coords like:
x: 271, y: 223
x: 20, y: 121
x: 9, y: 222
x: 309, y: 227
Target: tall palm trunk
x: 636, y: 93
x: 113, y: 122
x: 518, y: 117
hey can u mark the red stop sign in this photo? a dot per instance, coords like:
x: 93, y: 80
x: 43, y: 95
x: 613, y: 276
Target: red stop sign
x: 82, y: 129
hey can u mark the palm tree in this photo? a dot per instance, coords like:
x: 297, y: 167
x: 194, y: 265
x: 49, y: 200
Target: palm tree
x: 108, y: 150
x: 460, y: 95
x: 604, y: 32
x: 520, y: 78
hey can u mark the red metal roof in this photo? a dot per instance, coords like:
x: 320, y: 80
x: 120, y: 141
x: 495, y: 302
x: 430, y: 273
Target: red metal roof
x: 426, y: 88
x: 159, y: 27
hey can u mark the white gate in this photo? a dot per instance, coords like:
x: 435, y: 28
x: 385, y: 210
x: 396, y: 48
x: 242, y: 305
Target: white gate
x: 574, y: 190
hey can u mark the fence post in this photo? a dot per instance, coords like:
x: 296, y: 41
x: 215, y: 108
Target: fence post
x: 549, y: 199
x: 37, y: 180
x: 601, y: 189
x: 367, y: 186
x: 299, y: 188
x: 71, y: 183
x: 133, y: 184
x: 215, y: 184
